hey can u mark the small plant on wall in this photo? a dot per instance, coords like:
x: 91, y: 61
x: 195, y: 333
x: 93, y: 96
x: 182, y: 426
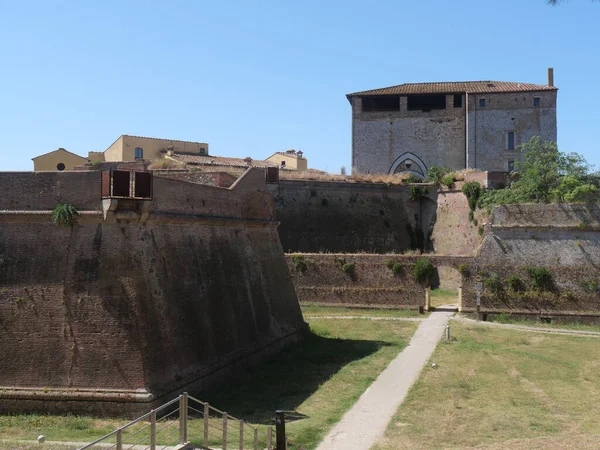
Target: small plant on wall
x: 493, y: 284
x: 464, y: 270
x: 541, y: 278
x: 63, y: 214
x: 423, y: 270
x: 302, y: 263
x: 395, y: 267
x: 348, y: 268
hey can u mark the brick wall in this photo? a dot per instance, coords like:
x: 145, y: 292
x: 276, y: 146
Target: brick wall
x: 141, y: 306
x: 349, y: 217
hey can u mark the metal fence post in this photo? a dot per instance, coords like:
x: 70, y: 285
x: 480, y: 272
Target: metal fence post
x: 119, y: 439
x: 224, y: 431
x: 280, y: 430
x: 269, y: 438
x: 183, y: 410
x: 153, y: 430
x: 255, y: 439
x: 206, y: 419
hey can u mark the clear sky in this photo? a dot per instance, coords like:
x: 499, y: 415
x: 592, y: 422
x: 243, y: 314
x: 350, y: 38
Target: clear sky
x: 254, y: 77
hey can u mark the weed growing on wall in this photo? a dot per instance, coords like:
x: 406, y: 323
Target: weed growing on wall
x: 515, y: 283
x: 493, y: 284
x: 464, y: 270
x: 540, y: 277
x: 472, y: 191
x: 348, y: 268
x: 423, y: 270
x: 437, y: 174
x: 395, y: 267
x: 63, y: 214
x: 416, y: 192
x: 449, y: 180
x: 302, y: 263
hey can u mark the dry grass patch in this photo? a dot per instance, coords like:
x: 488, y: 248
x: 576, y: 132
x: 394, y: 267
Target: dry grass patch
x: 493, y: 385
x: 441, y: 297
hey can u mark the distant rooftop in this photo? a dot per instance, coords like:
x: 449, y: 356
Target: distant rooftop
x: 455, y: 87
x: 195, y: 159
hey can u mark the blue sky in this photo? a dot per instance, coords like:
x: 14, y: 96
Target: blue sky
x: 255, y: 77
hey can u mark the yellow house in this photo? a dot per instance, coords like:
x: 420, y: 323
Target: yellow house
x: 290, y: 159
x: 131, y: 148
x: 60, y: 159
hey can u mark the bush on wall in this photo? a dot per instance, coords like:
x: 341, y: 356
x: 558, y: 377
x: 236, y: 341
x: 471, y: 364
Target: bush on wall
x: 423, y: 270
x: 63, y: 214
x: 540, y: 278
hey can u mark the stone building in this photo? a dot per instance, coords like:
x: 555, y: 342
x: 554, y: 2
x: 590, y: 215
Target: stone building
x: 473, y: 124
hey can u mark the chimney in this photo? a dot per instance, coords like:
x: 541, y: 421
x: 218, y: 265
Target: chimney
x: 550, y: 76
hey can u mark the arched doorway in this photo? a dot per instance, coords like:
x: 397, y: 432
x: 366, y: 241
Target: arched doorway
x: 409, y: 163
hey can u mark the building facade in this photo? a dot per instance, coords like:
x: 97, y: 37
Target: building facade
x: 477, y: 124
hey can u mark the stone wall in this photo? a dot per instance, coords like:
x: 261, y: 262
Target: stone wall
x: 488, y: 126
x: 113, y: 315
x: 317, y: 216
x: 563, y: 239
x: 321, y: 279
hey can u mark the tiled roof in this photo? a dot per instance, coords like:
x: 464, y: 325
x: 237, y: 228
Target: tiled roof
x: 200, y: 160
x: 471, y: 87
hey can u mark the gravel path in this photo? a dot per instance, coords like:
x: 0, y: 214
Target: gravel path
x: 526, y: 328
x: 366, y: 421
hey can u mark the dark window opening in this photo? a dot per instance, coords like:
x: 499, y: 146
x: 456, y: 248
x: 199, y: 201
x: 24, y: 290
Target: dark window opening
x: 426, y: 102
x: 381, y: 103
x: 536, y: 102
x: 482, y: 102
x: 60, y: 166
x: 282, y: 163
x: 511, y: 140
x: 120, y: 183
x: 202, y: 151
x: 458, y: 100
x: 143, y: 184
x: 139, y: 153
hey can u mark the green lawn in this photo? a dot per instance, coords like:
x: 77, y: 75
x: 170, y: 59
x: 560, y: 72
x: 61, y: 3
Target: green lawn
x: 309, y: 310
x: 441, y: 297
x: 318, y: 379
x: 494, y: 385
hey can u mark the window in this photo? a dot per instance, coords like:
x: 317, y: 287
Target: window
x: 482, y: 102
x: 282, y: 163
x: 381, y: 103
x: 458, y: 100
x: 202, y: 151
x: 60, y: 166
x: 139, y: 153
x: 511, y: 166
x: 536, y: 102
x: 426, y: 102
x: 510, y: 140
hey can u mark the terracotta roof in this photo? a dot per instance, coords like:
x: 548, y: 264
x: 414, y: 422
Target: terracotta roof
x: 471, y: 87
x: 200, y: 160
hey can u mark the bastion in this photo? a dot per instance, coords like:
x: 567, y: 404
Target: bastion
x: 137, y: 299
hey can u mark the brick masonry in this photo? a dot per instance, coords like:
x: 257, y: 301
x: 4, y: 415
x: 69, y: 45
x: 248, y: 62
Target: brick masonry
x: 128, y: 310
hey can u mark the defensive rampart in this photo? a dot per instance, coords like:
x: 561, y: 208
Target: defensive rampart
x: 539, y: 259
x: 136, y: 300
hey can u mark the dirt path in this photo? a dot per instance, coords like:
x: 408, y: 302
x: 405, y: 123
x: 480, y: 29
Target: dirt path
x: 526, y: 328
x: 365, y: 423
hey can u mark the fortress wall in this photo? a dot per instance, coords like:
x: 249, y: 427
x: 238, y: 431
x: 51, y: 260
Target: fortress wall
x: 320, y: 278
x: 320, y: 216
x: 564, y: 239
x: 128, y: 310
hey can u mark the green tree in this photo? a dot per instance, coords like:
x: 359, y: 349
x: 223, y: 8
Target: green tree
x: 546, y: 175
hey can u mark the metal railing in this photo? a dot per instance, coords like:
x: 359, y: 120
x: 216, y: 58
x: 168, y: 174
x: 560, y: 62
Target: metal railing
x: 186, y: 422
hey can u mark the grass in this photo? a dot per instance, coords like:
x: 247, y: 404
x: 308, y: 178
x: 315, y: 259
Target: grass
x: 318, y: 380
x: 311, y: 310
x: 441, y: 297
x: 506, y: 318
x: 492, y: 386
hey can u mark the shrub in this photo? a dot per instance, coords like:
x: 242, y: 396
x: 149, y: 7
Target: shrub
x: 390, y: 263
x: 449, y: 180
x: 63, y: 214
x: 416, y: 192
x: 341, y: 261
x: 436, y: 174
x: 515, y: 283
x: 423, y: 270
x: 493, y: 284
x: 540, y: 277
x: 472, y: 191
x: 348, y: 268
x: 464, y: 270
x: 471, y: 216
x: 412, y: 178
x: 301, y: 263
x: 481, y: 230
x: 591, y: 286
